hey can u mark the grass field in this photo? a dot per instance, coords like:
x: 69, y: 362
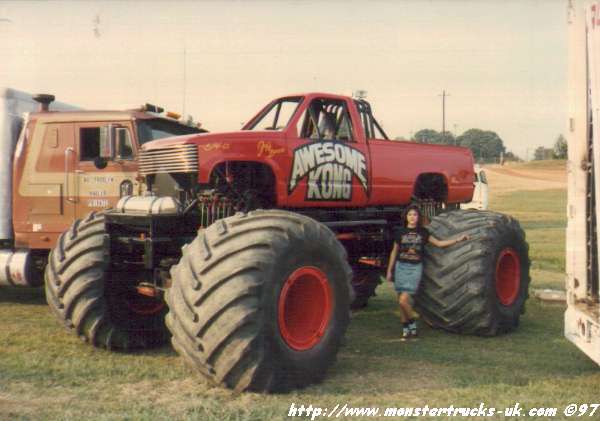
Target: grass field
x: 46, y: 373
x: 552, y: 164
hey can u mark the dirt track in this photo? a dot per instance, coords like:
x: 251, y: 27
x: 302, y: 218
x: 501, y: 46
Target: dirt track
x: 503, y: 179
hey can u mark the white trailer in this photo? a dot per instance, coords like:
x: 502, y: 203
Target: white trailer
x: 14, y: 106
x: 582, y: 317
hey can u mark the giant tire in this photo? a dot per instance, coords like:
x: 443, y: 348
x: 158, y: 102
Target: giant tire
x: 249, y: 298
x: 89, y: 304
x: 478, y: 286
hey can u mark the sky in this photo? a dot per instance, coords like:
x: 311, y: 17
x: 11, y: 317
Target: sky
x: 503, y: 63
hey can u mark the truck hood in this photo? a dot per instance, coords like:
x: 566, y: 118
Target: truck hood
x: 206, y: 138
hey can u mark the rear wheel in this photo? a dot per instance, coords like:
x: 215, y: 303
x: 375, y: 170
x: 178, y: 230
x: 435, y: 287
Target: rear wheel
x: 260, y: 301
x: 478, y: 286
x: 106, y: 311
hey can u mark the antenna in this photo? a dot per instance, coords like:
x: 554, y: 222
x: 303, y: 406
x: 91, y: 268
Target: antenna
x: 96, y: 23
x: 184, y: 77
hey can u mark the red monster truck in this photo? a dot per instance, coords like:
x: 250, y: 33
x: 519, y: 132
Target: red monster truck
x: 252, y: 236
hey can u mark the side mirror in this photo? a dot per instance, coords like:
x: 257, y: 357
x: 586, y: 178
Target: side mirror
x: 100, y: 162
x: 107, y: 142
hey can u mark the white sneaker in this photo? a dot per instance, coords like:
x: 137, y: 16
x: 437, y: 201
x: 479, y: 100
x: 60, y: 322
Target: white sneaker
x: 413, y: 329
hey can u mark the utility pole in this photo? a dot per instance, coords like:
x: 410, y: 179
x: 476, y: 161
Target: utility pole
x: 444, y: 95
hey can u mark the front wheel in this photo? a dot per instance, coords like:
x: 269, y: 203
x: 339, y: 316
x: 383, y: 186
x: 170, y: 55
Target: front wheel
x: 478, y: 286
x: 103, y: 309
x: 260, y: 301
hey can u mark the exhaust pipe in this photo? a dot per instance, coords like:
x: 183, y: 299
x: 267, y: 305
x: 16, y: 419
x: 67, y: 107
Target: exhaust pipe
x: 45, y: 100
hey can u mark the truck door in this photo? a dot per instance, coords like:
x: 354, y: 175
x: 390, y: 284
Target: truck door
x: 392, y: 163
x: 100, y: 182
x: 329, y: 166
x: 43, y: 205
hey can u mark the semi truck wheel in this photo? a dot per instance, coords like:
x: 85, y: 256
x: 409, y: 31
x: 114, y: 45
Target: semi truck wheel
x: 107, y: 312
x: 260, y: 301
x: 479, y: 286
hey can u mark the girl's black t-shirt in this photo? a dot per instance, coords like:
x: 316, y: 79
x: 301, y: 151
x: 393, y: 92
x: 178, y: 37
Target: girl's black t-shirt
x: 411, y: 243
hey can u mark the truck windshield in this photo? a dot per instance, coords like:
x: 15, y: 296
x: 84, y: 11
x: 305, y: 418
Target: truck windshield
x: 277, y: 116
x: 158, y: 128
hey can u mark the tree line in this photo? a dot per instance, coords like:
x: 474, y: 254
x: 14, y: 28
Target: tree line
x: 485, y: 145
x: 558, y: 151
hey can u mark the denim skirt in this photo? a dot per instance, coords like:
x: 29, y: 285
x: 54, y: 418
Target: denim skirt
x: 407, y: 277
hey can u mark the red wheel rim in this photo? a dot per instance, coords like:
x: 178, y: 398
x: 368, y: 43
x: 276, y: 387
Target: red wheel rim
x: 304, y: 308
x: 508, y: 276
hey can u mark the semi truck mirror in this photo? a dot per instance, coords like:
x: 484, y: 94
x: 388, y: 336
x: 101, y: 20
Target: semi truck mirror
x: 100, y: 162
x: 107, y: 142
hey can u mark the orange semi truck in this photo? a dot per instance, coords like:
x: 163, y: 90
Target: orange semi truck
x: 55, y: 171
x: 243, y: 245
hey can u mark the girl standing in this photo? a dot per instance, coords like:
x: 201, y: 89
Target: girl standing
x: 407, y: 260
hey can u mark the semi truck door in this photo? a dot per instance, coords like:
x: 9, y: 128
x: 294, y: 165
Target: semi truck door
x: 43, y: 205
x: 99, y: 182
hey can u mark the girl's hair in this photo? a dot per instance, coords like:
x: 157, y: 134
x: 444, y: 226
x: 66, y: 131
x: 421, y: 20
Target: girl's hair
x: 419, y: 214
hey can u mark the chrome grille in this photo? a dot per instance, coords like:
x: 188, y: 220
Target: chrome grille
x: 170, y: 159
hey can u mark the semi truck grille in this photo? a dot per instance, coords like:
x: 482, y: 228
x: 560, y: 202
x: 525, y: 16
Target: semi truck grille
x: 170, y: 159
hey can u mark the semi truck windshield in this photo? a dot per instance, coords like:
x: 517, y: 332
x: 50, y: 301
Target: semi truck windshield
x: 153, y: 129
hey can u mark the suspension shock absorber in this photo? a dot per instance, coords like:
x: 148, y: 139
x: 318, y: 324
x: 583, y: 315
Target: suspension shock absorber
x: 203, y: 212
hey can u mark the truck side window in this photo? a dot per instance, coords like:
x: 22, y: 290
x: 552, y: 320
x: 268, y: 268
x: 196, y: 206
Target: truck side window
x: 89, y: 143
x: 327, y: 119
x: 277, y: 116
x: 370, y: 126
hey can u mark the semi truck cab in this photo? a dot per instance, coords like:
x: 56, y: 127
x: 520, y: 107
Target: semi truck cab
x: 60, y: 164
